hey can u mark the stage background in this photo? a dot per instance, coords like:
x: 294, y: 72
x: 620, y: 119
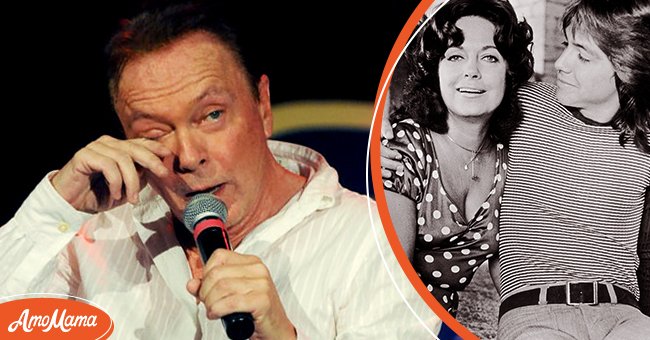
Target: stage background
x: 56, y: 100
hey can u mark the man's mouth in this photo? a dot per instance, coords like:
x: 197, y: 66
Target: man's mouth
x: 207, y: 190
x: 561, y: 81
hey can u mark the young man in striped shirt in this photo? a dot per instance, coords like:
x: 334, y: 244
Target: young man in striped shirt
x: 578, y: 174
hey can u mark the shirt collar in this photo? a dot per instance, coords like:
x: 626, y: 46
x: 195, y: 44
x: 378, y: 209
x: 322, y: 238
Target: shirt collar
x: 318, y: 193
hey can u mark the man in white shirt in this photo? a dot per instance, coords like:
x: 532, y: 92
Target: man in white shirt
x: 105, y: 227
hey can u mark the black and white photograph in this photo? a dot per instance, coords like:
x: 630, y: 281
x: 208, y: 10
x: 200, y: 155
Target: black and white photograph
x: 516, y: 165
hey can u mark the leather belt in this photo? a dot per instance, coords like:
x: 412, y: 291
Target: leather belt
x: 570, y: 293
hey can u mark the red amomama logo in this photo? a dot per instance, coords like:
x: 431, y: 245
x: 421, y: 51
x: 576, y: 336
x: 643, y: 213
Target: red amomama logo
x: 53, y: 318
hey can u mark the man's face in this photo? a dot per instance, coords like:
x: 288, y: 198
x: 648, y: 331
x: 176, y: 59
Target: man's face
x: 193, y: 97
x: 585, y: 77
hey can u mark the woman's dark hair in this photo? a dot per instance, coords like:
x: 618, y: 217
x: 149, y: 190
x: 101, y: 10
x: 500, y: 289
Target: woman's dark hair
x: 621, y: 29
x: 159, y: 26
x: 422, y: 100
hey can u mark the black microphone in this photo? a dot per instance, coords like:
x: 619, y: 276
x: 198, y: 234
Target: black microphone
x: 205, y: 216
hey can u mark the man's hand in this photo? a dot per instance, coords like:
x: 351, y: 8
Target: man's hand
x: 386, y: 129
x: 109, y: 172
x: 241, y: 283
x: 390, y: 159
x: 390, y: 162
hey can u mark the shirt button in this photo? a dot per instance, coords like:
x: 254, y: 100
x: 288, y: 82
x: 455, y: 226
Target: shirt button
x: 63, y: 227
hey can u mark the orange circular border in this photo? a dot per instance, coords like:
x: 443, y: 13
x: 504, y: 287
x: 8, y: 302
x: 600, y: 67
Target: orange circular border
x: 377, y: 182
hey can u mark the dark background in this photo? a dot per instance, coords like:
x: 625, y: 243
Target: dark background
x: 55, y: 99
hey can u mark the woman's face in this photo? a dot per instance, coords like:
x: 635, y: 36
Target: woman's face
x: 473, y: 75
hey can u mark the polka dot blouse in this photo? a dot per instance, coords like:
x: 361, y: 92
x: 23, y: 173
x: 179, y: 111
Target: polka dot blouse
x: 448, y: 248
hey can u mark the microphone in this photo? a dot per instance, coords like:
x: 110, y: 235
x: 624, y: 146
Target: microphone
x: 205, y: 216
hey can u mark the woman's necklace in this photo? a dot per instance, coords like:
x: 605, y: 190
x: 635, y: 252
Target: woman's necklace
x: 475, y: 154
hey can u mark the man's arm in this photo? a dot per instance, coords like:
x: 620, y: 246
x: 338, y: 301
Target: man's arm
x: 104, y: 174
x: 644, y: 256
x: 32, y: 244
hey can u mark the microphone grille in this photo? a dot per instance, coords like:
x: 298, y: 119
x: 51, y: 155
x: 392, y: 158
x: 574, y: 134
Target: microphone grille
x: 202, y: 205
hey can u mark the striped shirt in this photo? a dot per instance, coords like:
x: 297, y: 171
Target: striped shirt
x: 573, y: 201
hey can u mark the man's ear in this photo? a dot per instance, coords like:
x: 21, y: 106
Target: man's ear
x: 264, y: 106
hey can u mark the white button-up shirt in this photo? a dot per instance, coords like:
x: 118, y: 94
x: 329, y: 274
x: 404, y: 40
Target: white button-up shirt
x: 320, y: 249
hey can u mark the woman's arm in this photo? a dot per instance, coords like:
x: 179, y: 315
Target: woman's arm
x: 494, y: 272
x: 402, y: 214
x: 643, y: 273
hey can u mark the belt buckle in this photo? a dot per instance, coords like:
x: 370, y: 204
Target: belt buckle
x: 594, y: 291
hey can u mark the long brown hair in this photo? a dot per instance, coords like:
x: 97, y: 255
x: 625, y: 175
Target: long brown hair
x: 621, y: 29
x: 422, y: 100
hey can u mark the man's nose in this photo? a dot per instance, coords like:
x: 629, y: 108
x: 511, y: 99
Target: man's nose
x: 190, y: 152
x: 561, y: 64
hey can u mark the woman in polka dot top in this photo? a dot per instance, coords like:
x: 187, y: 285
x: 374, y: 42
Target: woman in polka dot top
x: 457, y: 114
